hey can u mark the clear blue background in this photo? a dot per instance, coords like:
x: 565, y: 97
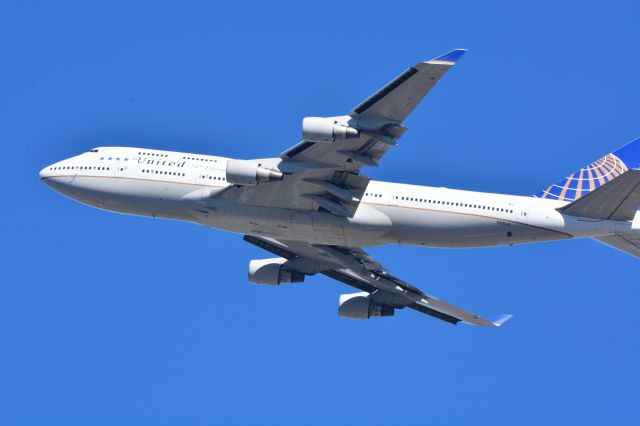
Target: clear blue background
x: 110, y: 319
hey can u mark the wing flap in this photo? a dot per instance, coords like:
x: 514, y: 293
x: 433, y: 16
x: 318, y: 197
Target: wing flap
x: 436, y: 314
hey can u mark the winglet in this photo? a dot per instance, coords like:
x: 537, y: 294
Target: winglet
x: 449, y: 58
x: 500, y: 319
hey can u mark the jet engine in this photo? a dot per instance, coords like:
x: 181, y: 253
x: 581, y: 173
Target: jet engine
x: 247, y: 172
x: 273, y: 272
x: 360, y: 306
x: 320, y: 129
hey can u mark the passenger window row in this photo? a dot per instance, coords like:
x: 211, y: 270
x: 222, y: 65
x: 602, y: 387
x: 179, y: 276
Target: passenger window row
x: 213, y: 177
x: 79, y: 168
x: 153, y: 154
x: 370, y: 194
x: 458, y: 204
x: 162, y: 172
x: 200, y: 159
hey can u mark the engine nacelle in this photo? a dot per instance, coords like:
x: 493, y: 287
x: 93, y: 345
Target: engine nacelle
x: 273, y: 272
x: 320, y: 129
x: 247, y: 172
x: 360, y: 306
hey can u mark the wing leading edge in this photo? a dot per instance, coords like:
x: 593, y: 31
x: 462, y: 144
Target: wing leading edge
x: 396, y: 100
x: 354, y: 267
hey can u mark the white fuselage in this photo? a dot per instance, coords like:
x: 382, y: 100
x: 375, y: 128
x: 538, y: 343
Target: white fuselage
x: 190, y: 187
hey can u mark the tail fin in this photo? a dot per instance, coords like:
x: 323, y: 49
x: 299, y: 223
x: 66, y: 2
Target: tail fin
x: 616, y: 200
x: 595, y: 174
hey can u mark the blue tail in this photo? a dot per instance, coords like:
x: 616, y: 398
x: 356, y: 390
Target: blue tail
x: 595, y: 174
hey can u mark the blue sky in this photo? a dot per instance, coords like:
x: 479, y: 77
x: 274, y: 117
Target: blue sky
x: 111, y: 319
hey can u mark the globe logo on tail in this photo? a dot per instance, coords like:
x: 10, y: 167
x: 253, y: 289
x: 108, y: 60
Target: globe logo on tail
x: 585, y: 180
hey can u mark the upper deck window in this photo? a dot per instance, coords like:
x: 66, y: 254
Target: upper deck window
x: 94, y: 150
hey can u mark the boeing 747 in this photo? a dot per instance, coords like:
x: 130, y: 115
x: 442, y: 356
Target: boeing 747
x: 314, y: 209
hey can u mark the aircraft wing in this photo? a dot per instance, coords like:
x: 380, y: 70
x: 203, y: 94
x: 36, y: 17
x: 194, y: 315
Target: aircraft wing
x: 322, y: 172
x: 354, y: 267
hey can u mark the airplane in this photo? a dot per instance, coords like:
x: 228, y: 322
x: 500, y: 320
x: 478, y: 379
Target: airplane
x: 314, y: 209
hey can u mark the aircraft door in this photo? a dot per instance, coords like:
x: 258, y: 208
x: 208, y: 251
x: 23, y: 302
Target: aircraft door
x: 523, y: 214
x: 204, y: 175
x: 394, y: 198
x: 120, y: 166
x: 386, y: 197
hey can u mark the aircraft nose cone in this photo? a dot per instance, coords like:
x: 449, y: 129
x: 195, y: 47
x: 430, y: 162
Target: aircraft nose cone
x: 54, y: 181
x: 61, y: 184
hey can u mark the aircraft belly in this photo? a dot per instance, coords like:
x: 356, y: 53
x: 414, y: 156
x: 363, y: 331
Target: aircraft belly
x: 313, y: 227
x: 371, y: 224
x: 328, y: 228
x: 446, y: 229
x: 244, y: 219
x: 302, y: 226
x: 131, y: 196
x: 368, y: 227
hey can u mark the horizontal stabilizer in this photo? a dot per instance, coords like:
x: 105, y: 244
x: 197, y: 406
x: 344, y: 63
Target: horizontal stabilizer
x: 618, y: 199
x: 628, y: 243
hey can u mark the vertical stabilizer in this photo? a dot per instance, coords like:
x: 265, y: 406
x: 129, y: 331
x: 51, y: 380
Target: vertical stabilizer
x: 594, y: 175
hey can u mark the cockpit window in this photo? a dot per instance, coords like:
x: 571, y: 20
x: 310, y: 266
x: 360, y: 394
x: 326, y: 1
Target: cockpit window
x: 94, y: 150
